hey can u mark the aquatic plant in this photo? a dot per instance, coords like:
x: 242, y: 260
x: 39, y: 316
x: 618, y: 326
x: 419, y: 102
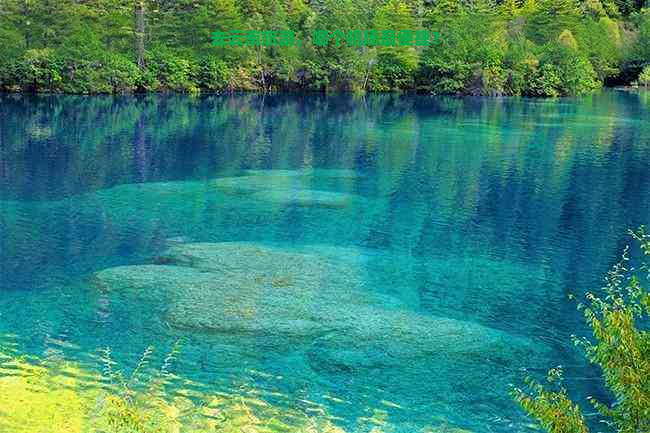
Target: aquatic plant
x: 620, y: 346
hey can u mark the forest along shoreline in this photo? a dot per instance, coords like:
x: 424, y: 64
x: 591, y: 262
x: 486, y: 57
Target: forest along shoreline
x: 522, y: 48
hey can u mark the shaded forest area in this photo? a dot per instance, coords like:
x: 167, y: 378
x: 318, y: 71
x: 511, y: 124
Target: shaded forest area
x: 486, y: 47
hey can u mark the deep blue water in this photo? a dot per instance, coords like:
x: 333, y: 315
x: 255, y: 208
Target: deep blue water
x: 340, y: 235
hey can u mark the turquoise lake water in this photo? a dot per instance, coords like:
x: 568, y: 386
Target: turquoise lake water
x: 392, y: 261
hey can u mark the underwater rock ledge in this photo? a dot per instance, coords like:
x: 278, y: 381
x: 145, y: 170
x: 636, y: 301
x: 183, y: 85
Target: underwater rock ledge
x: 247, y: 288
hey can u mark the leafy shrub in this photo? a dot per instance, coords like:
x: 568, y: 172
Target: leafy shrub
x: 644, y: 77
x: 213, y: 74
x: 40, y: 70
x: 10, y: 75
x: 603, y: 46
x: 641, y: 50
x: 564, y: 70
x: 173, y: 71
x: 554, y: 410
x: 394, y: 70
x: 520, y: 65
x: 546, y: 81
x: 620, y: 347
x: 120, y: 73
x: 83, y: 63
x: 469, y: 57
x: 395, y: 66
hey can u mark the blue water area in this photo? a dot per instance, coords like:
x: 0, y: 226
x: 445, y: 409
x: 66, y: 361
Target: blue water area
x: 394, y: 261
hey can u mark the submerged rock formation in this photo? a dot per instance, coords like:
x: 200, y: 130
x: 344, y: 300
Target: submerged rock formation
x: 251, y: 289
x: 289, y: 187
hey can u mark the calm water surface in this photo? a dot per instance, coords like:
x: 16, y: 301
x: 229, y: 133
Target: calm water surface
x: 393, y: 261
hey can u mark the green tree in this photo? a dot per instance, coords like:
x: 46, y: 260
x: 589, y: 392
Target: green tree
x: 395, y: 65
x: 550, y: 17
x: 641, y: 49
x: 139, y: 34
x: 342, y: 67
x: 469, y: 57
x: 521, y: 65
x: 41, y: 70
x: 602, y: 45
x: 564, y: 69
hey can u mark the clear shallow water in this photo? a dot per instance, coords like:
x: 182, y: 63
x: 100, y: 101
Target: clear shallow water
x: 399, y: 258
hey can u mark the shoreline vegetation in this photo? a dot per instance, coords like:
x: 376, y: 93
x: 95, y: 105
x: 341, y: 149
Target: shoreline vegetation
x: 510, y: 47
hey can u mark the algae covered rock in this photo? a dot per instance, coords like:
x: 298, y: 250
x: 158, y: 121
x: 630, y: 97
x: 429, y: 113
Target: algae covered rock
x: 245, y: 258
x: 344, y: 271
x: 150, y: 281
x: 211, y: 302
x: 238, y: 287
x: 263, y: 180
x: 306, y: 275
x: 324, y: 173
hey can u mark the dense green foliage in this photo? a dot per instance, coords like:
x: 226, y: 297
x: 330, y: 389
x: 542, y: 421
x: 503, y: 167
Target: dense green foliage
x: 620, y: 348
x: 514, y: 47
x: 644, y: 78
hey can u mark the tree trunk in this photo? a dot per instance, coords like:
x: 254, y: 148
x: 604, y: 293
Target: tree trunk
x: 25, y: 13
x: 140, y: 150
x: 139, y: 32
